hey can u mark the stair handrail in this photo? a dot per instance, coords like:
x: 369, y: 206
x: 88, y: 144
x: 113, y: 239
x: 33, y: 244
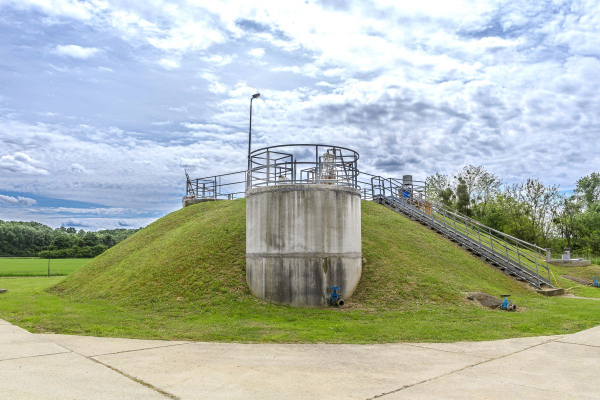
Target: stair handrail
x: 393, y: 188
x: 539, y: 250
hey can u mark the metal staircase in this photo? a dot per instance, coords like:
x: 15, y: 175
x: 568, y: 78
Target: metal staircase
x: 517, y: 258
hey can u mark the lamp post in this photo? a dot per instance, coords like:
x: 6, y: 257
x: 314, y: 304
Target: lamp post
x: 254, y: 96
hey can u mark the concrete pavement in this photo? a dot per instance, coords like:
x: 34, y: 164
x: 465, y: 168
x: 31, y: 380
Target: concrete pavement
x: 79, y: 367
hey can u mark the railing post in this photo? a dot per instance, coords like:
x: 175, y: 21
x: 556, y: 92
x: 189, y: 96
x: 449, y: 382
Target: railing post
x: 454, y: 220
x: 548, y: 254
x: 444, y: 217
x: 268, y: 167
x: 537, y: 270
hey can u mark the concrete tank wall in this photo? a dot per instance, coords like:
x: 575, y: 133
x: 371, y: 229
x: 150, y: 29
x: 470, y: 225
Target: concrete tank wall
x: 300, y: 240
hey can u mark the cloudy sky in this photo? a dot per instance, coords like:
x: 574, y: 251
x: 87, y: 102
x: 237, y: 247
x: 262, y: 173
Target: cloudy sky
x: 104, y: 103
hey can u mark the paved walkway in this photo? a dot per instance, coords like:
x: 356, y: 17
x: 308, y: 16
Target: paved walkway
x: 80, y: 367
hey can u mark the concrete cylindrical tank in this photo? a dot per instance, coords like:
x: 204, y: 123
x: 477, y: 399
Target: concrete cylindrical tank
x: 300, y: 240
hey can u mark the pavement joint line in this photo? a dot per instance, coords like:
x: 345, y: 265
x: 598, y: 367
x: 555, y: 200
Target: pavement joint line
x: 145, y: 348
x: 137, y: 380
x: 37, y: 355
x: 449, y: 351
x: 578, y: 344
x: 459, y: 370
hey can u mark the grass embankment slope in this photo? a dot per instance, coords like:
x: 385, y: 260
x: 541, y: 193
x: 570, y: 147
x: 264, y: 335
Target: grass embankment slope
x: 183, y: 277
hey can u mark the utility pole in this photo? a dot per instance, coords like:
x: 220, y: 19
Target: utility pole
x: 254, y: 96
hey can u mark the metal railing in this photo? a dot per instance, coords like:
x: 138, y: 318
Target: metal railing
x: 226, y: 186
x: 512, y: 252
x: 303, y: 164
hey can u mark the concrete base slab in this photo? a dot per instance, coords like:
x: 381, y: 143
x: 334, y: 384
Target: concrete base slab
x: 551, y: 292
x: 570, y: 263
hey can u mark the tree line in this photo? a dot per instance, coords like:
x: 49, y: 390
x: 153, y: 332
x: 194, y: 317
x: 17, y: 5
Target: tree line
x: 33, y: 239
x: 529, y: 210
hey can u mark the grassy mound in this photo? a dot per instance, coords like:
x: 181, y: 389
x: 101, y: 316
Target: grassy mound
x: 197, y: 255
x: 182, y: 278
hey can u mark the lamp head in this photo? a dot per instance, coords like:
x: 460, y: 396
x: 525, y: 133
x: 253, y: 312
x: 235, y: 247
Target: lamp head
x: 255, y: 96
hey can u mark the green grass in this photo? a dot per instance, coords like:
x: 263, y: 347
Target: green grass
x: 39, y: 267
x: 586, y: 273
x: 183, y: 277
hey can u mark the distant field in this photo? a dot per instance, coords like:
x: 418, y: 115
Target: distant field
x: 39, y: 267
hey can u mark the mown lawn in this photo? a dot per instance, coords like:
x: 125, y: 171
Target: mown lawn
x: 39, y: 267
x: 29, y: 305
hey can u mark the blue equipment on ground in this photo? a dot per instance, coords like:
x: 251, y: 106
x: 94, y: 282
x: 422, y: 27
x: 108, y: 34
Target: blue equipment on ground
x: 596, y: 284
x: 506, y: 305
x: 335, y: 299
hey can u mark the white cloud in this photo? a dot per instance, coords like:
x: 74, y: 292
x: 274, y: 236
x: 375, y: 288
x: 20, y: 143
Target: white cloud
x: 75, y: 51
x: 204, y: 127
x: 217, y: 88
x: 162, y: 123
x: 324, y: 84
x: 21, y: 163
x: 219, y: 60
x: 333, y: 72
x: 169, y: 63
x: 257, y: 52
x: 63, y: 8
x: 79, y: 169
x: 209, y: 76
x: 178, y: 109
x: 10, y: 200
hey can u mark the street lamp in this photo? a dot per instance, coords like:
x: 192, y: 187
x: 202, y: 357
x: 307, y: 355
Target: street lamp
x: 254, y: 96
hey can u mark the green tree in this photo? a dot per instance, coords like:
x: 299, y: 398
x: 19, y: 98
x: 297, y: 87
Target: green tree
x: 566, y: 219
x: 463, y: 200
x: 588, y: 188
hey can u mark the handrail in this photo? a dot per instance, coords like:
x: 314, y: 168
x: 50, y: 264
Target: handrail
x: 303, y: 164
x: 463, y: 216
x: 515, y: 251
